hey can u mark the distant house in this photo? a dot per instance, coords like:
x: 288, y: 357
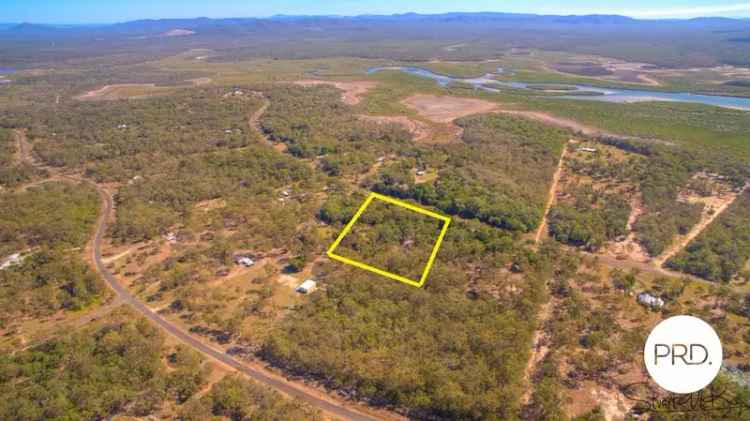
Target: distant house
x: 245, y: 261
x: 307, y: 287
x: 122, y: 126
x: 228, y: 131
x: 11, y: 260
x: 649, y: 300
x: 420, y: 173
x: 585, y: 149
x: 171, y: 237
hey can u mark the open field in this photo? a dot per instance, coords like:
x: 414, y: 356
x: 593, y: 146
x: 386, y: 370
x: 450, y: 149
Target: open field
x: 445, y: 109
x: 129, y: 90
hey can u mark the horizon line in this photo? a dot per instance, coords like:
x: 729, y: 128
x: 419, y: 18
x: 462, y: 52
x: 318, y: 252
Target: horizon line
x: 646, y: 17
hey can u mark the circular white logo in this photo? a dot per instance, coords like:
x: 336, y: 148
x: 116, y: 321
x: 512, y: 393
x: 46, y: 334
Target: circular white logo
x: 683, y: 354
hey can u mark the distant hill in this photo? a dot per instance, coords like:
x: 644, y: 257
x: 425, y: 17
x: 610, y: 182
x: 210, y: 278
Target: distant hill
x: 670, y: 42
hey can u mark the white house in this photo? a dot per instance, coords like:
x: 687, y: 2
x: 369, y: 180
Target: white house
x: 11, y: 260
x: 307, y: 287
x: 244, y: 261
x: 650, y: 301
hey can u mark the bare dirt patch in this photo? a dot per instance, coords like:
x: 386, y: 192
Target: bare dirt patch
x: 418, y: 129
x: 445, y: 109
x: 612, y: 403
x: 352, y: 91
x: 630, y: 248
x: 209, y: 205
x: 200, y: 81
x: 112, y: 92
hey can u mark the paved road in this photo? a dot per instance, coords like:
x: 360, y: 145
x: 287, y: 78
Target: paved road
x: 333, y: 408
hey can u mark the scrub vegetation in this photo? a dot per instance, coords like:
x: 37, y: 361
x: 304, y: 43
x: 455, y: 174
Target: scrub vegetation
x: 252, y: 166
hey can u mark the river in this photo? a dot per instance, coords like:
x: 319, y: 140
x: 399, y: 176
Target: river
x: 583, y: 92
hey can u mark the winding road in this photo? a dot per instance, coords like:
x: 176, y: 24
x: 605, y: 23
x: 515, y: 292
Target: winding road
x: 336, y: 409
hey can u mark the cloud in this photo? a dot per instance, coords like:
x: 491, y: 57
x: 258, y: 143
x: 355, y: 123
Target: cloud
x: 724, y: 10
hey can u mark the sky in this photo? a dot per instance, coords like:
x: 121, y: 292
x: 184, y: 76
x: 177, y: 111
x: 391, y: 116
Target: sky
x: 99, y: 11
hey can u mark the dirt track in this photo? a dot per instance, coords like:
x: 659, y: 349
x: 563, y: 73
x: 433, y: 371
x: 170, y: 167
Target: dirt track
x: 314, y: 397
x: 696, y: 230
x: 23, y: 149
x: 296, y: 390
x: 552, y: 194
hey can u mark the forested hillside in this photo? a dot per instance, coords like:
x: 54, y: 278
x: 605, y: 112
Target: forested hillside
x: 124, y: 367
x: 313, y: 122
x: 436, y: 351
x: 493, y: 175
x: 43, y: 224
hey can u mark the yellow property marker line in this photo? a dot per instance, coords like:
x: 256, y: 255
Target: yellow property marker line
x: 446, y: 221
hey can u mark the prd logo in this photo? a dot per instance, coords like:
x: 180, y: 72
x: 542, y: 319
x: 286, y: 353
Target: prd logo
x: 683, y: 354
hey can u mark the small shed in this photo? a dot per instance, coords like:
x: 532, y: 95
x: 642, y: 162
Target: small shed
x: 307, y: 287
x: 585, y: 149
x: 245, y: 261
x: 11, y: 260
x: 649, y: 300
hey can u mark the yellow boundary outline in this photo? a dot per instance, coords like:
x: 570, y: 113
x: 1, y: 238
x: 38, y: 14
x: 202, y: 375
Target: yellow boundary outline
x: 372, y: 196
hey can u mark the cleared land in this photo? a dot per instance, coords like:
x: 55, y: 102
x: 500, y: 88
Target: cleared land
x: 552, y: 194
x: 118, y: 91
x: 351, y: 91
x: 445, y: 109
x: 715, y: 205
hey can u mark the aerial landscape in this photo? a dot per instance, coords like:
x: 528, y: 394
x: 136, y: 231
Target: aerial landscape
x: 324, y: 212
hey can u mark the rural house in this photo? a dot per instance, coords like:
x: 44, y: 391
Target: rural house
x: 649, y: 300
x: 245, y: 261
x: 307, y: 287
